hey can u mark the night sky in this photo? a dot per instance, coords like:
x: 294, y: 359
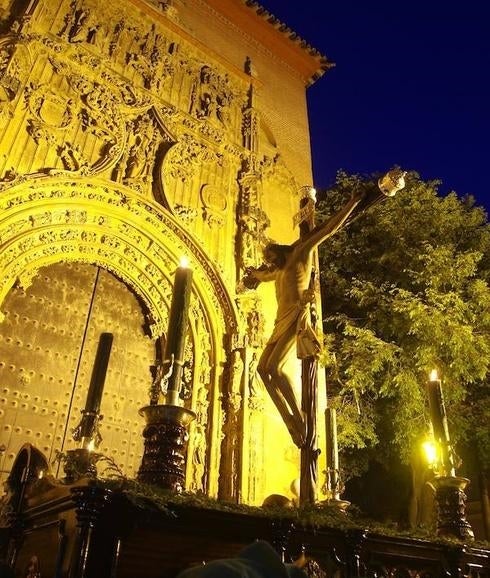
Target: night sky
x: 410, y: 88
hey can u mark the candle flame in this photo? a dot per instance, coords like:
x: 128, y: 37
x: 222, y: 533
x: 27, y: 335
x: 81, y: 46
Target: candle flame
x: 40, y: 475
x: 430, y: 451
x: 184, y: 262
x: 434, y: 375
x: 91, y: 445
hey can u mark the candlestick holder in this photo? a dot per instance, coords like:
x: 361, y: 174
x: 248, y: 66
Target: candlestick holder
x: 165, y: 450
x: 332, y: 488
x: 79, y: 463
x: 451, y: 506
x: 88, y: 429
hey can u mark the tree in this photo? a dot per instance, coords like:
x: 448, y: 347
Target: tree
x: 405, y: 289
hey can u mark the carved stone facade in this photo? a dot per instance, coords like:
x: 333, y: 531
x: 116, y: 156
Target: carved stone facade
x: 131, y: 134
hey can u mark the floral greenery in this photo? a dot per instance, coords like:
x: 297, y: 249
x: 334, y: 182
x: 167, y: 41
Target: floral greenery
x: 151, y: 497
x: 71, y: 463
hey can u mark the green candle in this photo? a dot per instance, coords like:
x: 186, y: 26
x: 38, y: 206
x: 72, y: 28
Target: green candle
x: 96, y: 388
x: 177, y: 327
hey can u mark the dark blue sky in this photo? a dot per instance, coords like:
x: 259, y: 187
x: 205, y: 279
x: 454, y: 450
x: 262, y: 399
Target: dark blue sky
x: 410, y: 88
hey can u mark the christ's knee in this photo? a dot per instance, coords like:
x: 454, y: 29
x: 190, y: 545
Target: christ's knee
x: 276, y: 371
x: 263, y: 369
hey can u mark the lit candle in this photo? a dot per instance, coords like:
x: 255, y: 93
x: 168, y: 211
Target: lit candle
x: 439, y: 421
x: 177, y: 327
x: 332, y: 452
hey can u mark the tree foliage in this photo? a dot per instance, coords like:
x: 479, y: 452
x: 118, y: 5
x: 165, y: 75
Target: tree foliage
x: 405, y: 289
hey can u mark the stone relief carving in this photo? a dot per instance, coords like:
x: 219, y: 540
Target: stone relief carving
x: 127, y: 41
x: 9, y: 83
x: 72, y: 158
x: 186, y: 157
x: 231, y: 399
x: 135, y: 168
x: 186, y: 214
x: 155, y: 60
x: 275, y: 169
x: 96, y: 58
x: 126, y: 263
x: 252, y: 223
x: 201, y: 403
x: 168, y: 7
x: 255, y: 389
x: 80, y: 24
x: 211, y: 96
x: 199, y: 439
x: 214, y: 205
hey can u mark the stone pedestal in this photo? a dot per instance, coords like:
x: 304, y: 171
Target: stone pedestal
x: 451, y: 505
x: 166, y: 436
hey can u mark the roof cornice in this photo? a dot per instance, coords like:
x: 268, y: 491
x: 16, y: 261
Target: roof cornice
x: 276, y: 36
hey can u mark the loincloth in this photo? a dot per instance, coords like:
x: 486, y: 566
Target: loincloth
x: 298, y: 317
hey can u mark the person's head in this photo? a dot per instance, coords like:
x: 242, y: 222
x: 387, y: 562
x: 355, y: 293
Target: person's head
x: 276, y: 254
x: 257, y: 560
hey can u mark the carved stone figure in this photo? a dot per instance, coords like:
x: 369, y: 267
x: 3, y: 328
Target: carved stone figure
x: 211, y: 96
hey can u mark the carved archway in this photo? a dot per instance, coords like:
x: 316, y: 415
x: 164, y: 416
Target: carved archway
x: 51, y: 219
x: 46, y: 220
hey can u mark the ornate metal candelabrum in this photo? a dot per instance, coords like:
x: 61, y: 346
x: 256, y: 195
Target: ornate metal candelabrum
x: 166, y: 431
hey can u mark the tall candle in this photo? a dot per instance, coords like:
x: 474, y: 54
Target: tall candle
x: 332, y: 451
x: 177, y: 327
x: 96, y: 388
x: 87, y: 430
x: 439, y: 421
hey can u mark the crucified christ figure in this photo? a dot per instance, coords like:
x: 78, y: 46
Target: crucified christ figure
x: 290, y: 267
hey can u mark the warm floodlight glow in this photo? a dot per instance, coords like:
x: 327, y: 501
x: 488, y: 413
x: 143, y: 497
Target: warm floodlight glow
x: 184, y: 261
x: 430, y: 452
x: 434, y: 375
x: 91, y: 445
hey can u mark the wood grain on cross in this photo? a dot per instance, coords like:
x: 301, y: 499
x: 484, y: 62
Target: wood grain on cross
x: 305, y: 218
